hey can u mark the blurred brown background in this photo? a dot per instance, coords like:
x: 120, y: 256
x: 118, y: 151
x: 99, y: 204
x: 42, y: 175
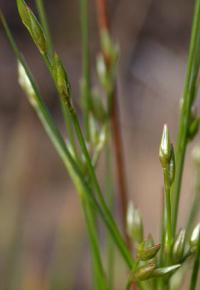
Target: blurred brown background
x: 42, y: 232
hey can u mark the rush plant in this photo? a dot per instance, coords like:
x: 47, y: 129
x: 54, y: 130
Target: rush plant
x: 151, y: 266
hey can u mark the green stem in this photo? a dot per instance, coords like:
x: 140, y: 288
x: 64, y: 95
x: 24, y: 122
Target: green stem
x: 99, y: 279
x: 86, y: 86
x: 195, y: 271
x: 188, y: 98
x: 44, y: 22
x: 71, y: 165
x: 110, y: 198
x: 47, y: 59
x: 65, y: 111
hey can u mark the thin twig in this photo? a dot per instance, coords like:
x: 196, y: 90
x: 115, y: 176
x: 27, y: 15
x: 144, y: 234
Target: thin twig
x: 116, y: 130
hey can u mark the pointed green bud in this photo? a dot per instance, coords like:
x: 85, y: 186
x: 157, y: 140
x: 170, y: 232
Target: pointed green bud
x: 145, y: 251
x: 179, y: 245
x: 110, y: 49
x: 134, y: 224
x: 33, y: 26
x: 195, y: 237
x: 160, y: 272
x: 103, y: 74
x: 60, y: 78
x: 26, y: 85
x: 142, y: 273
x: 193, y: 129
x: 99, y: 145
x: 165, y: 148
x: 98, y: 108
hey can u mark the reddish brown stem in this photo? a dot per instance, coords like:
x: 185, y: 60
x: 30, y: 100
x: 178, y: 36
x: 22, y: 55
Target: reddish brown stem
x: 116, y: 131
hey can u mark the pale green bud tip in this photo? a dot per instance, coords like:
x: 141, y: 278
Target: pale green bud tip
x: 25, y: 84
x: 196, y: 155
x: 195, y: 236
x: 165, y: 147
x: 32, y: 24
x: 134, y: 223
x: 178, y: 248
x: 159, y: 272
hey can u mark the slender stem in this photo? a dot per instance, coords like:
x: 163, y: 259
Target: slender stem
x: 86, y: 87
x: 65, y: 155
x: 120, y: 168
x: 109, y: 194
x: 169, y: 235
x: 188, y: 98
x: 116, y: 130
x: 44, y: 22
x: 47, y: 58
x: 100, y: 280
x: 195, y: 270
x: 94, y: 180
x: 195, y: 203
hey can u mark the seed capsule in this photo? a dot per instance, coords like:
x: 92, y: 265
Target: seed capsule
x: 142, y: 273
x: 146, y: 252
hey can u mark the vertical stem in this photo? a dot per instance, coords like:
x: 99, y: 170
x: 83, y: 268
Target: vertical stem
x: 195, y: 271
x: 188, y: 98
x: 99, y: 279
x: 44, y: 22
x: 86, y: 88
x: 115, y: 123
x: 169, y: 234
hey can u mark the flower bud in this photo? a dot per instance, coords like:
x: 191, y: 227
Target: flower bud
x: 60, y: 77
x: 142, y: 273
x: 32, y: 24
x: 165, y: 150
x: 103, y: 74
x: 195, y: 237
x: 134, y: 224
x: 160, y: 272
x: 145, y: 251
x: 26, y: 85
x: 193, y: 129
x: 179, y: 245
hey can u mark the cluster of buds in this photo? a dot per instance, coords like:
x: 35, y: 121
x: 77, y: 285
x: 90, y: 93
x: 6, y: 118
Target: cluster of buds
x: 149, y: 271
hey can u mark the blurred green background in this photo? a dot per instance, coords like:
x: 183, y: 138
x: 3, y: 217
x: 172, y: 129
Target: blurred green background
x: 43, y: 244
